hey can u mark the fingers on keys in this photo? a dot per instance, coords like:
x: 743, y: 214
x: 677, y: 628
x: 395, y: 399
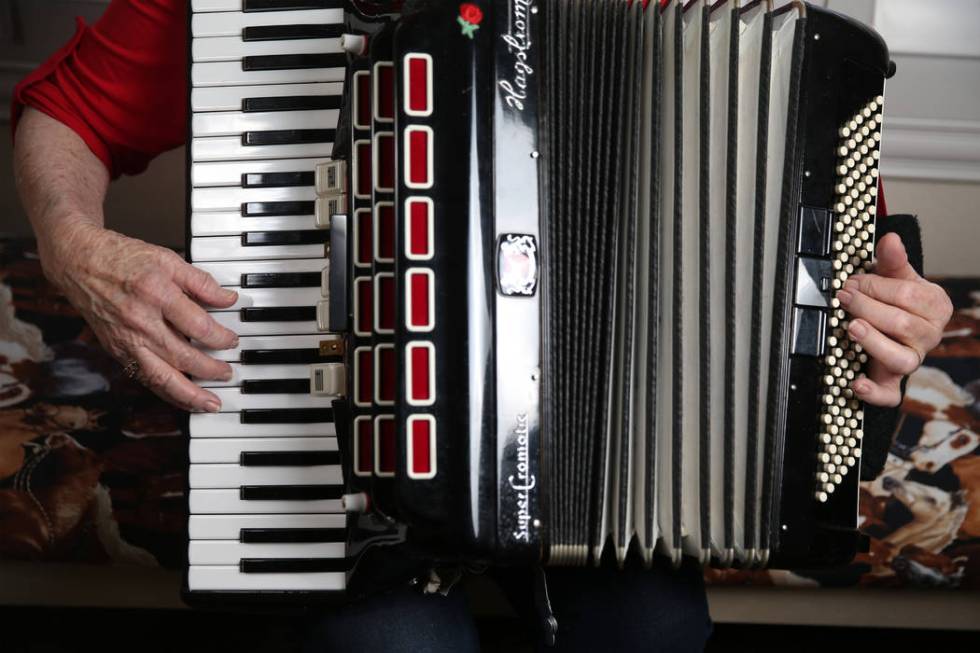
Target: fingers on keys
x: 195, y: 323
x: 879, y: 388
x: 188, y: 358
x: 202, y: 286
x: 899, y: 324
x: 172, y: 386
x: 892, y: 355
x: 897, y: 316
x: 890, y: 361
x: 919, y: 297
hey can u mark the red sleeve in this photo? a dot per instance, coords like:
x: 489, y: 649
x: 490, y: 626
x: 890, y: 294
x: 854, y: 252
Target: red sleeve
x: 881, y: 206
x: 120, y: 84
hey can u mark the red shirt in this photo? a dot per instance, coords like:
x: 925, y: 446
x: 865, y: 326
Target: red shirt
x: 120, y: 84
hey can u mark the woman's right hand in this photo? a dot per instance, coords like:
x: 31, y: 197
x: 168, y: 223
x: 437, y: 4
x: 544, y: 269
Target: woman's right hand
x: 143, y: 303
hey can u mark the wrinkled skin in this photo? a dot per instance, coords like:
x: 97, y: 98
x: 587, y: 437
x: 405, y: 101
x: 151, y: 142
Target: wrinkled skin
x: 143, y: 302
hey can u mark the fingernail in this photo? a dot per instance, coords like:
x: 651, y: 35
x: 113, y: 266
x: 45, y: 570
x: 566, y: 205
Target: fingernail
x: 844, y: 297
x: 857, y: 329
x: 234, y: 343
x: 226, y: 375
x: 851, y: 284
x: 861, y: 387
x: 212, y: 406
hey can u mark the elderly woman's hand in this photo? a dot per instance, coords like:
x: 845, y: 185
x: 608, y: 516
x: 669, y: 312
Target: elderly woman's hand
x: 897, y: 316
x: 142, y: 302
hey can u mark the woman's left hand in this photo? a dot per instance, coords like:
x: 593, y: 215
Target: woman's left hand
x: 897, y: 316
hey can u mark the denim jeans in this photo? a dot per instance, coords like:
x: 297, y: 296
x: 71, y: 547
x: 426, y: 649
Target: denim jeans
x: 598, y: 611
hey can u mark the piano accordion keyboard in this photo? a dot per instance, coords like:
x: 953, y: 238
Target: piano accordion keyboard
x: 265, y: 472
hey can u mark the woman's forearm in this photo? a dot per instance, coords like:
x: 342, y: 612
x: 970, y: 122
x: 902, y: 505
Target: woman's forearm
x: 62, y: 186
x: 143, y: 302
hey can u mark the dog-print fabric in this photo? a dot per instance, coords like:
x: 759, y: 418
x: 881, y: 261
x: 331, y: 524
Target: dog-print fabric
x: 93, y: 467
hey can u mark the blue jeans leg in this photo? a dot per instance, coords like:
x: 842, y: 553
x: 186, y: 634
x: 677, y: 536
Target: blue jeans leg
x: 401, y: 621
x: 608, y: 610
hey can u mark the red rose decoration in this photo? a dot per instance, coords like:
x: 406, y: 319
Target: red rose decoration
x: 470, y: 13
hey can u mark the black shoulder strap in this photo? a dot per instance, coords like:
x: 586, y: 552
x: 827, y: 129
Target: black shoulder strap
x: 907, y: 228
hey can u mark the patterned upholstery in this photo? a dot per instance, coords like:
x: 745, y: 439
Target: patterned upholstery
x: 93, y: 467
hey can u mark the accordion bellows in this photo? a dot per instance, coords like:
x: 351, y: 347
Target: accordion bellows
x: 688, y: 286
x: 639, y: 218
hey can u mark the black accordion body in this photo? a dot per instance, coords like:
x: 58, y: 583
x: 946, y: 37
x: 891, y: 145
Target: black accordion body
x: 579, y: 260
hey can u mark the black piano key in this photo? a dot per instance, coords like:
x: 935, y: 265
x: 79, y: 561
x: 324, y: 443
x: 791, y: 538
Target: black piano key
x: 290, y: 492
x: 279, y: 314
x: 281, y: 280
x: 288, y: 458
x: 291, y: 32
x: 290, y: 5
x: 288, y: 137
x: 285, y: 357
x: 293, y: 61
x: 291, y: 535
x: 276, y: 386
x: 292, y: 565
x: 269, y: 238
x: 278, y: 179
x: 291, y: 103
x: 286, y: 415
x: 263, y: 209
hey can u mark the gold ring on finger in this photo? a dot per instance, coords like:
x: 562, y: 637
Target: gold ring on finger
x: 131, y: 369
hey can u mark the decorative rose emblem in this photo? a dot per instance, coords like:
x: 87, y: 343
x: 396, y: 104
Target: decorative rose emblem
x: 469, y: 18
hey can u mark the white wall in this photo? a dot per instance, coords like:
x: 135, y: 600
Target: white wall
x: 931, y: 144
x: 150, y: 206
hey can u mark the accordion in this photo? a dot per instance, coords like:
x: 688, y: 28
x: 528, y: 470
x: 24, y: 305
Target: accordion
x: 572, y: 270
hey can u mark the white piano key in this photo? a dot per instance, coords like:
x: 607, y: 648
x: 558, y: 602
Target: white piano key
x: 269, y: 342
x: 229, y: 98
x: 213, y: 578
x: 230, y: 73
x: 230, y: 248
x: 198, y: 6
x: 216, y: 5
x: 229, y: 273
x: 231, y: 199
x: 230, y: 148
x: 262, y: 297
x: 228, y: 223
x: 219, y: 173
x: 232, y: 320
x: 241, y: 373
x: 229, y: 425
x: 233, y: 48
x: 236, y: 123
x: 224, y: 552
x: 230, y: 23
x: 229, y: 450
x: 227, y: 527
x: 228, y: 502
x: 203, y: 475
x: 232, y: 400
